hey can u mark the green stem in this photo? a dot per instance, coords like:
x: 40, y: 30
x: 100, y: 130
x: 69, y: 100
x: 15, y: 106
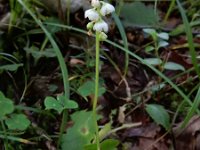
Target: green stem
x: 5, y: 132
x: 68, y: 11
x: 172, y: 4
x: 96, y: 89
x: 62, y: 126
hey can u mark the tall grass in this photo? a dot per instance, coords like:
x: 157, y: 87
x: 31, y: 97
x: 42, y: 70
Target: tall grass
x: 61, y: 63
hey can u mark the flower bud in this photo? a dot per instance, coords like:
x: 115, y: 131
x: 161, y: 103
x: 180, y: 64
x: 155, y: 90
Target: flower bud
x: 102, y: 36
x: 107, y: 9
x: 101, y: 26
x: 91, y: 14
x: 90, y: 25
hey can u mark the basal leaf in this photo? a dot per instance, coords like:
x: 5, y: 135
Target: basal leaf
x: 153, y: 61
x: 163, y: 35
x: 10, y: 67
x: 137, y: 13
x: 109, y: 144
x: 17, y: 122
x: 88, y: 89
x: 81, y: 133
x: 173, y: 66
x: 158, y: 114
x: 6, y: 105
x: 162, y: 44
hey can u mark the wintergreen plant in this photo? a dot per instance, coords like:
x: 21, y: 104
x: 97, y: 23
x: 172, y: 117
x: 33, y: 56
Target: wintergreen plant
x: 160, y: 40
x: 100, y: 27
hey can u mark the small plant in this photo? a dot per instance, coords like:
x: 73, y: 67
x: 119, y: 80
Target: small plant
x: 159, y: 41
x: 97, y: 24
x: 13, y: 121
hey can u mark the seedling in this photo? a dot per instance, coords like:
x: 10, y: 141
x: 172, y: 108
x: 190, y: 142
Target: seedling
x: 160, y: 40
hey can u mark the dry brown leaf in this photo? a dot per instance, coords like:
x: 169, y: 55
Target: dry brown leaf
x: 189, y: 137
x: 75, y: 61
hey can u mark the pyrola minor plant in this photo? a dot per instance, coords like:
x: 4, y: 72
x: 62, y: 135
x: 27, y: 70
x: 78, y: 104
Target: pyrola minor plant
x: 100, y: 27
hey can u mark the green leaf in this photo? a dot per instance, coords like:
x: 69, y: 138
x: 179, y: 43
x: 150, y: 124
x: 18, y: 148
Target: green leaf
x: 138, y: 14
x: 37, y: 54
x: 158, y: 114
x: 11, y: 67
x: 157, y: 87
x: 151, y: 32
x: 149, y: 48
x: 173, y: 66
x: 17, y: 122
x: 104, y: 131
x: 59, y: 104
x: 162, y: 44
x: 71, y: 104
x: 109, y: 144
x: 6, y: 105
x: 81, y: 133
x: 153, y: 61
x: 52, y: 103
x: 90, y: 147
x: 163, y: 35
x: 88, y: 89
x: 49, y: 52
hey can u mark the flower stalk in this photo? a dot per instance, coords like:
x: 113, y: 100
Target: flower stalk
x: 97, y: 24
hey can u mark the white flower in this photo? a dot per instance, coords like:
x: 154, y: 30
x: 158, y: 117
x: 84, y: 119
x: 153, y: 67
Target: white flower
x: 107, y: 9
x: 95, y: 3
x: 100, y: 26
x: 91, y: 14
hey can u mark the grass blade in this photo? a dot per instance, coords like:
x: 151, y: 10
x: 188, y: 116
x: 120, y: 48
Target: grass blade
x: 189, y: 38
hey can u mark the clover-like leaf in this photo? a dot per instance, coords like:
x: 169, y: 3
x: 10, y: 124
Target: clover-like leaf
x: 17, y: 122
x: 109, y: 144
x: 6, y: 105
x: 52, y: 103
x: 69, y: 104
x: 88, y: 88
x: 59, y: 104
